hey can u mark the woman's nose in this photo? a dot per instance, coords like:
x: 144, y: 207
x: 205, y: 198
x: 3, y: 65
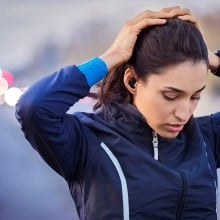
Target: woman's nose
x: 183, y: 112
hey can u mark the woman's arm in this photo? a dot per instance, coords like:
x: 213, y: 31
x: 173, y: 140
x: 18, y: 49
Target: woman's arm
x: 41, y: 112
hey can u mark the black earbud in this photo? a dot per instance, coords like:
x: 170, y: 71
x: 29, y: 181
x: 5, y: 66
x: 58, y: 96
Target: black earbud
x: 132, y: 82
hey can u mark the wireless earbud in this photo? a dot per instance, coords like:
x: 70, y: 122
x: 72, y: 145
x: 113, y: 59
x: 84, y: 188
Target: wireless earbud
x: 132, y: 82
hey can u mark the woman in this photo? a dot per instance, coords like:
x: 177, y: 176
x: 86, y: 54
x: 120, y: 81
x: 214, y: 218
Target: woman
x: 141, y: 155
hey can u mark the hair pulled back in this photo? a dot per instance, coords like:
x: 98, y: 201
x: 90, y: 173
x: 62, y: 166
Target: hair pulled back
x: 156, y: 47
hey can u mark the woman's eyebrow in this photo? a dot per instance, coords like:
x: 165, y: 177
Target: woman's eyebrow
x: 181, y: 91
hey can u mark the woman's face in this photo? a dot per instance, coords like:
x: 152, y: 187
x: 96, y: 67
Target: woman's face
x: 168, y: 100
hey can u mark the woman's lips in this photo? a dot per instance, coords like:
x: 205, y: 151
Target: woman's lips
x: 174, y: 127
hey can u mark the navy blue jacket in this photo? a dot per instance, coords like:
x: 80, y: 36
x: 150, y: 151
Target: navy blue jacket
x: 107, y: 156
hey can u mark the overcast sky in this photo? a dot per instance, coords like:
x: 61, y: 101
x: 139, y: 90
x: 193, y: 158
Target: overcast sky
x: 26, y: 23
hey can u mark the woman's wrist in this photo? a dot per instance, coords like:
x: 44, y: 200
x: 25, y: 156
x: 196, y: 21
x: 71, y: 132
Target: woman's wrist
x: 94, y: 70
x: 112, y: 59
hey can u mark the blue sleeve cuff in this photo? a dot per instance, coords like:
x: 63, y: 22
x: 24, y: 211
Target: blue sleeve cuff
x: 94, y: 70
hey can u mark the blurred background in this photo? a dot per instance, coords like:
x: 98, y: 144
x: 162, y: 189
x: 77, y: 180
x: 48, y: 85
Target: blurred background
x: 37, y: 38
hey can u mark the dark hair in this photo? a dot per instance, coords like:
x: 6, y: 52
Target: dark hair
x: 156, y: 47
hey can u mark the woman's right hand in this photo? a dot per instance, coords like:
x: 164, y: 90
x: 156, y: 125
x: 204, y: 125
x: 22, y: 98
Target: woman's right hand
x: 121, y: 49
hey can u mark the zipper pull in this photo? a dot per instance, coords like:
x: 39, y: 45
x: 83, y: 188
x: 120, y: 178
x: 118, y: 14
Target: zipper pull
x: 155, y: 145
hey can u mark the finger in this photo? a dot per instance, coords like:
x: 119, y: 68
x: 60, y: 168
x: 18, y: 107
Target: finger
x: 179, y: 12
x: 148, y: 14
x: 168, y: 9
x: 136, y: 28
x: 190, y: 19
x: 162, y: 14
x: 142, y: 16
x: 150, y: 22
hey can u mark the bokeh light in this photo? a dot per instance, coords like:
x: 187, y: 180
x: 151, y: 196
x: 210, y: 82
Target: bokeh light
x: 3, y: 86
x: 12, y: 95
x: 8, y: 76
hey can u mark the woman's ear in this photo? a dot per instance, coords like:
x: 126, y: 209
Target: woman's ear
x: 130, y: 80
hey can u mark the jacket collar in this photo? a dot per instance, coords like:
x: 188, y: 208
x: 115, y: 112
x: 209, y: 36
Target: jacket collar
x: 129, y: 119
x: 121, y: 115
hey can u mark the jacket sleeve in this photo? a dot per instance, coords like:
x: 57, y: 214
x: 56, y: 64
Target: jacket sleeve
x: 41, y: 111
x: 210, y: 126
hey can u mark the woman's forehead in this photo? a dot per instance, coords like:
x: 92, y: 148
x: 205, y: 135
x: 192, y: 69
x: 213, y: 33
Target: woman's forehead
x: 182, y: 76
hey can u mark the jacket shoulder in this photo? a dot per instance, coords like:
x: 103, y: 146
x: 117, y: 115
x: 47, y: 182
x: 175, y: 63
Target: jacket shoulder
x: 210, y: 128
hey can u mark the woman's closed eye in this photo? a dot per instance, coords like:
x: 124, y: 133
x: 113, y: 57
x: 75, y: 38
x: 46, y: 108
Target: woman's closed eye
x: 170, y: 96
x: 196, y: 97
x: 173, y: 97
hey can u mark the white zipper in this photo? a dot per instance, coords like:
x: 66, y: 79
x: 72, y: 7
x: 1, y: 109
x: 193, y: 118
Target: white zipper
x: 155, y: 145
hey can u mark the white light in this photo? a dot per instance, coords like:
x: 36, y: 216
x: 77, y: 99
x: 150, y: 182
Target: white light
x: 12, y: 95
x: 1, y: 73
x: 3, y: 85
